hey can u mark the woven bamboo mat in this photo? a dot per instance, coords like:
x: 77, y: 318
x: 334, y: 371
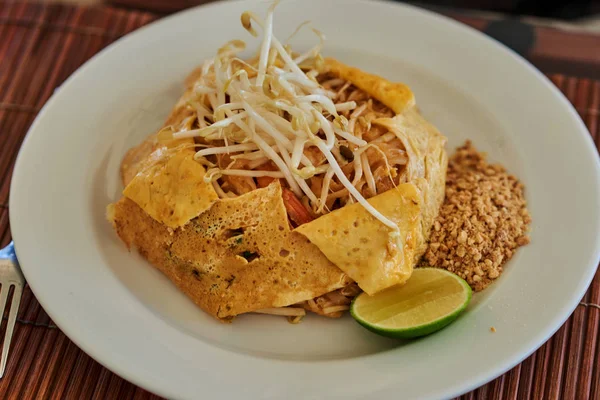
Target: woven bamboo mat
x: 40, y: 46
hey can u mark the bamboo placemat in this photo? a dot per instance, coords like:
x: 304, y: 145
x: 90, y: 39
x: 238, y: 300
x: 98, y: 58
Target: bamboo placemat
x: 40, y: 46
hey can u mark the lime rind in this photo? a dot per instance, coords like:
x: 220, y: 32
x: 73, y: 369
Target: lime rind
x: 419, y: 330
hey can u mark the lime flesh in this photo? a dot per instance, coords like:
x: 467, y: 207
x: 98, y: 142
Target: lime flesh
x: 430, y: 300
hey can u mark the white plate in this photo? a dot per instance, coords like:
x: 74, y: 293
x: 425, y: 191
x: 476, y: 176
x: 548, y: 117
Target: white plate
x: 130, y: 318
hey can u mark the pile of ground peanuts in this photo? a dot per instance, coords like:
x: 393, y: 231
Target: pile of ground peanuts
x: 482, y: 221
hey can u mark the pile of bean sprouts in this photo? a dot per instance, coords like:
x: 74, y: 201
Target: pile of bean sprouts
x: 281, y: 116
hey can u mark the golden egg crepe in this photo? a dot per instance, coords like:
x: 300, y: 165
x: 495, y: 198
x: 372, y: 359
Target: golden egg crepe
x: 237, y: 234
x: 172, y: 190
x: 360, y: 245
x: 396, y: 96
x: 427, y: 164
x: 237, y: 257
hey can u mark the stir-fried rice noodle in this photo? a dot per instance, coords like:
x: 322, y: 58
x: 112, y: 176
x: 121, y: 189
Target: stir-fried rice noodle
x: 332, y: 304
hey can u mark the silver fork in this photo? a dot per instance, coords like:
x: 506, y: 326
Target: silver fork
x: 10, y: 274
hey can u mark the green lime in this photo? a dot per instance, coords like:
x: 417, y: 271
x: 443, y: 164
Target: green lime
x: 430, y: 300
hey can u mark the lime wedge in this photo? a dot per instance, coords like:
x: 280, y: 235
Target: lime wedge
x: 430, y: 300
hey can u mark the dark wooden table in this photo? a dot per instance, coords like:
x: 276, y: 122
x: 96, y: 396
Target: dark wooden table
x: 42, y: 44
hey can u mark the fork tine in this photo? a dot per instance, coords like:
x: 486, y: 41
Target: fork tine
x: 4, y: 289
x: 10, y: 326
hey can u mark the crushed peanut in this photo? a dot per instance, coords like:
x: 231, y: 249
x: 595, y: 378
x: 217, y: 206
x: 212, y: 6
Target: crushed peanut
x: 482, y: 221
